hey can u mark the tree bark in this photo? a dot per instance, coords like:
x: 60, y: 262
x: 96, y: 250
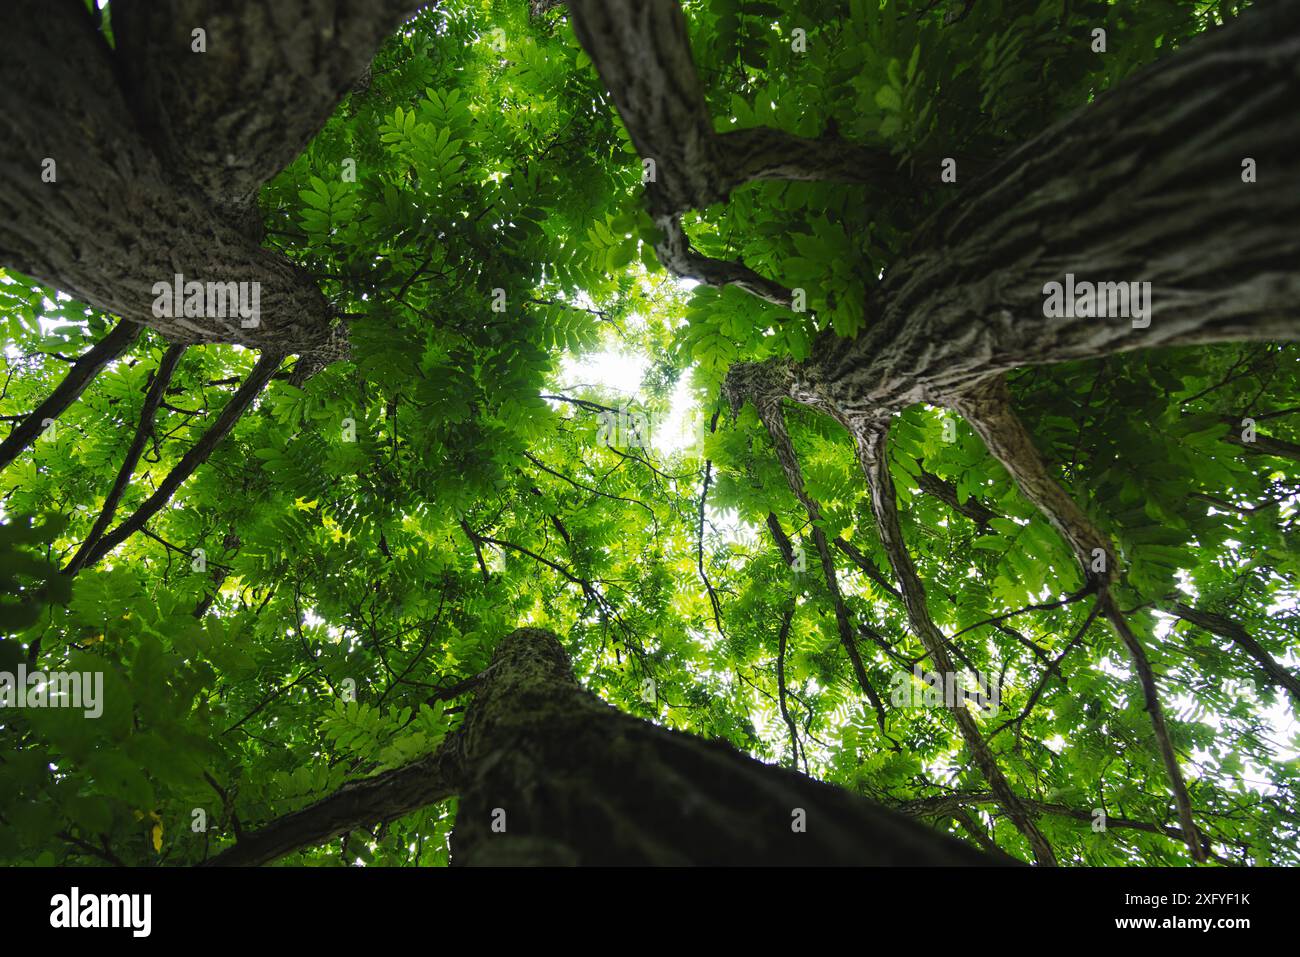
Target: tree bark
x: 574, y: 781
x: 159, y: 150
x: 643, y: 55
x: 1143, y: 184
x: 369, y: 801
x: 272, y: 75
x: 567, y: 779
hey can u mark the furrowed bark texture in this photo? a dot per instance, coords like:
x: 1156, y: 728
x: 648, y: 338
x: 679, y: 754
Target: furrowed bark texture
x: 570, y: 780
x: 643, y: 54
x: 1144, y: 184
x: 299, y: 58
x: 159, y: 150
x: 578, y: 782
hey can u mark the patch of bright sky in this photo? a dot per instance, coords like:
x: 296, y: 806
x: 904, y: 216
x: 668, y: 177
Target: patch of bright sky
x: 621, y: 372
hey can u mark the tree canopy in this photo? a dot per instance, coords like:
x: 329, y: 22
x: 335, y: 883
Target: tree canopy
x: 292, y: 550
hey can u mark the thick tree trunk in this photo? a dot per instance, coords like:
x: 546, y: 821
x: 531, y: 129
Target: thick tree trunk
x: 116, y: 220
x: 1143, y: 185
x: 123, y: 168
x: 552, y: 775
x: 549, y: 774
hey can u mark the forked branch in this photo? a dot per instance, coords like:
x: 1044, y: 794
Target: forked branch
x: 871, y: 451
x: 144, y: 428
x: 774, y: 420
x: 252, y: 387
x: 988, y: 411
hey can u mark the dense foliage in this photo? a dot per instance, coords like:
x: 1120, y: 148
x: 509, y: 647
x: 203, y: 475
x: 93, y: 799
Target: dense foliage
x: 369, y: 533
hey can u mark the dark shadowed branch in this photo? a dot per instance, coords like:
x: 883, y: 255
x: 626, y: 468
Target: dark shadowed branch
x: 196, y: 456
x: 880, y: 484
x: 144, y: 428
x: 81, y: 374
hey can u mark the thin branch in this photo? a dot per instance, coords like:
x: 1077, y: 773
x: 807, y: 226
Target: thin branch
x: 1053, y: 668
x: 773, y: 419
x: 1151, y: 697
x: 946, y: 492
x: 1261, y: 444
x: 478, y: 550
x: 782, y: 639
x: 881, y: 486
x: 699, y: 550
x: 988, y: 411
x: 1227, y: 628
x: 144, y: 428
x: 103, y: 854
x: 594, y: 491
x: 81, y: 374
x: 196, y: 456
x: 946, y: 804
x: 867, y: 566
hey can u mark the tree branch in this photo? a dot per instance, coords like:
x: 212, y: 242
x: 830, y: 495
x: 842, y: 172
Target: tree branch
x: 1151, y: 696
x: 988, y: 411
x: 681, y: 259
x: 196, y: 456
x: 946, y: 492
x: 947, y: 803
x: 81, y: 374
x: 699, y: 540
x: 144, y: 428
x: 967, y: 303
x: 1261, y: 444
x: 642, y: 52
x: 782, y: 638
x: 774, y: 421
x: 1234, y: 632
x: 880, y: 484
x: 380, y: 799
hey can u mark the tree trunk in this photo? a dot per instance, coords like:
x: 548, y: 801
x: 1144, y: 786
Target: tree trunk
x: 125, y: 167
x: 1148, y: 183
x: 1145, y: 184
x: 547, y: 773
x: 553, y: 775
